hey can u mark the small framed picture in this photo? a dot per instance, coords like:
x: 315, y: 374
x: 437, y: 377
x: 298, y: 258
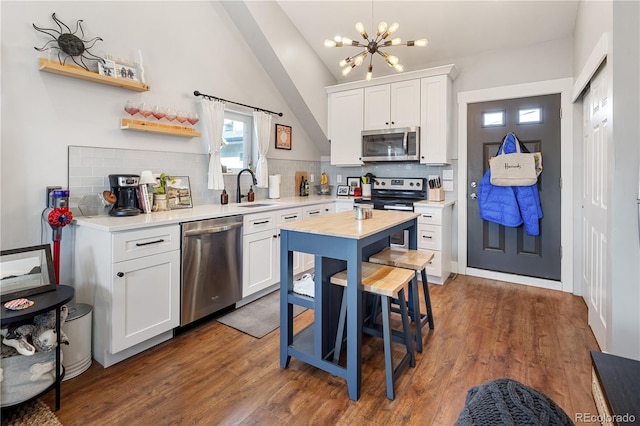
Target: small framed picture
x: 342, y: 190
x: 283, y: 136
x: 108, y: 68
x: 126, y: 72
x: 179, y: 193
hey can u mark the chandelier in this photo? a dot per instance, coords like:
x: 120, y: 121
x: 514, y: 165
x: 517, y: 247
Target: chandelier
x: 373, y: 45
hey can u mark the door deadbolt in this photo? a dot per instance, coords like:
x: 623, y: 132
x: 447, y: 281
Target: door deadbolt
x: 474, y: 184
x: 474, y: 195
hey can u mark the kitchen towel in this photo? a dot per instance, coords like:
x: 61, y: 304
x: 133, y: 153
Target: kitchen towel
x: 274, y: 186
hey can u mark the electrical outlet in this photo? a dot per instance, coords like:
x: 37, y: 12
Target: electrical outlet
x: 447, y: 174
x: 447, y: 185
x: 339, y: 179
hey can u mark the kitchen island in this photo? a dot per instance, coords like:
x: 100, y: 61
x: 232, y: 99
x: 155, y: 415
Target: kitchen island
x: 338, y: 242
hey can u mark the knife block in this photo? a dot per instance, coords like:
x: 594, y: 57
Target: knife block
x: 436, y: 194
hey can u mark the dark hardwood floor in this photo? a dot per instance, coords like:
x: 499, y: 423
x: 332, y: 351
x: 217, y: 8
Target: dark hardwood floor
x: 214, y: 374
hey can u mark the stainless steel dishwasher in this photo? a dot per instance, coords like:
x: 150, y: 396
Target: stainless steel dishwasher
x: 211, y: 266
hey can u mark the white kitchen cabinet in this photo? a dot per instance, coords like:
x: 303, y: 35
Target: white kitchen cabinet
x: 260, y: 248
x: 436, y: 100
x: 392, y: 105
x: 329, y: 208
x: 434, y: 235
x: 132, y: 279
x: 345, y: 127
x: 286, y: 216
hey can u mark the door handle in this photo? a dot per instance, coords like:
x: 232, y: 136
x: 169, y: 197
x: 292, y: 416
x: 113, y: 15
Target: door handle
x: 474, y: 195
x: 474, y: 184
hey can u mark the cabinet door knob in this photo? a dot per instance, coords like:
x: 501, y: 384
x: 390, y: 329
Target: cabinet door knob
x: 120, y: 274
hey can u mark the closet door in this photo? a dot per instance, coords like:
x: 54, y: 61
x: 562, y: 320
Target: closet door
x: 595, y: 201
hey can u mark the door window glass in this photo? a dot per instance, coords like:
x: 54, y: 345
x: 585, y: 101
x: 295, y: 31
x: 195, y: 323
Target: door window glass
x: 493, y: 119
x: 530, y: 115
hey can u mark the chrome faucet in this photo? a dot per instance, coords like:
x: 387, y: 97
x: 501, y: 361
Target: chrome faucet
x: 239, y: 195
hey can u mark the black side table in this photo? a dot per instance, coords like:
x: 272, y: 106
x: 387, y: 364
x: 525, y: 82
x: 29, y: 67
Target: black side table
x: 616, y: 388
x: 43, y: 302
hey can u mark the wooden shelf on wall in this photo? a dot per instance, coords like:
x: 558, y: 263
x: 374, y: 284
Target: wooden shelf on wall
x: 166, y: 129
x: 78, y: 72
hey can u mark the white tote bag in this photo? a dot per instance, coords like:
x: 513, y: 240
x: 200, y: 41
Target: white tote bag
x: 515, y: 169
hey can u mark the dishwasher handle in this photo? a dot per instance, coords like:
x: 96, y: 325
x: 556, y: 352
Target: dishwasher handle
x: 212, y: 230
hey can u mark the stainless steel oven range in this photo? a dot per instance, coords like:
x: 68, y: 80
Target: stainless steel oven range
x: 396, y: 194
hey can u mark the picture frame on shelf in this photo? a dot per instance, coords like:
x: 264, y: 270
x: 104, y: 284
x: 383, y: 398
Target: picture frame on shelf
x: 179, y: 193
x: 342, y: 190
x: 126, y: 72
x: 26, y: 271
x: 107, y: 68
x: 283, y: 136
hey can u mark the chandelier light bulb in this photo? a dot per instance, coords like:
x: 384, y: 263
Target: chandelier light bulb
x: 393, y: 59
x: 347, y: 41
x: 344, y: 62
x: 399, y: 67
x: 361, y: 30
x: 382, y: 27
x: 370, y: 72
x: 338, y: 39
x: 418, y: 43
x: 395, y: 42
x: 346, y: 70
x: 359, y: 59
x: 392, y: 28
x: 329, y: 43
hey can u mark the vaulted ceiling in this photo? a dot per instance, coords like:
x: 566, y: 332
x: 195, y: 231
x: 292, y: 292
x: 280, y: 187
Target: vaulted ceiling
x: 454, y: 28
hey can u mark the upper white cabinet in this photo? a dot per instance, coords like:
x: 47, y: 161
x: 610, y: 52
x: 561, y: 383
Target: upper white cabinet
x: 392, y: 105
x: 435, y: 123
x: 345, y: 127
x: 418, y: 98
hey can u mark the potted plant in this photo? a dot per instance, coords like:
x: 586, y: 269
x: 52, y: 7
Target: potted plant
x: 160, y: 197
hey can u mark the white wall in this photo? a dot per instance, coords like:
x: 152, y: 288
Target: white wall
x: 186, y: 46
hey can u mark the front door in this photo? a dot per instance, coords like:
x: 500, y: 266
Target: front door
x: 490, y: 246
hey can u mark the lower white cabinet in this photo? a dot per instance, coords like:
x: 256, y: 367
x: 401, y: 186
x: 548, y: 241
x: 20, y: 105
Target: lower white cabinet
x: 132, y: 279
x: 145, y: 299
x: 434, y: 235
x: 260, y: 248
x: 343, y: 206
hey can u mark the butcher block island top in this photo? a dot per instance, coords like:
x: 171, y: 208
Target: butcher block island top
x: 346, y: 225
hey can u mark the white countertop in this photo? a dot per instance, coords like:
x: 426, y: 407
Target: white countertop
x: 207, y: 211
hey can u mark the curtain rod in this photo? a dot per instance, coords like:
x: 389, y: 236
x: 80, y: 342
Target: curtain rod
x: 197, y: 93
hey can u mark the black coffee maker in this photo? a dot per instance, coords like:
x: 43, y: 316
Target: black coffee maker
x: 125, y: 189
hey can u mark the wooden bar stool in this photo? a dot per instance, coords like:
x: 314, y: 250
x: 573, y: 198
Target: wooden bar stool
x: 416, y: 260
x: 387, y: 282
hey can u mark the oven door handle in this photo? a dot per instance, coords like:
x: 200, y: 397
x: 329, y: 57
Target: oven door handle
x: 403, y: 208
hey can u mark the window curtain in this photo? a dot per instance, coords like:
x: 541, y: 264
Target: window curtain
x: 262, y: 126
x: 213, y: 123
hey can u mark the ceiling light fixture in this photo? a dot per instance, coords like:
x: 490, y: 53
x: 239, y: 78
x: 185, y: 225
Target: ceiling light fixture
x: 373, y: 45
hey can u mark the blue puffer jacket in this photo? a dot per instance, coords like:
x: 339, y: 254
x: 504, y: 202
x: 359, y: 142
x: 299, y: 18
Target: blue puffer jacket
x: 510, y: 205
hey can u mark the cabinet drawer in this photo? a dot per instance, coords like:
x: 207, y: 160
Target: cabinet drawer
x: 146, y: 242
x: 430, y: 237
x: 259, y: 222
x: 289, y: 215
x: 312, y: 211
x: 430, y: 216
x: 435, y: 266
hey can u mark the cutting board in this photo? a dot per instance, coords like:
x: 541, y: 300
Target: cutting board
x: 299, y: 177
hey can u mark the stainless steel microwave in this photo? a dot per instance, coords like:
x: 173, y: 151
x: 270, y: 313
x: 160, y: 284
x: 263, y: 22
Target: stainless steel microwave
x: 401, y: 144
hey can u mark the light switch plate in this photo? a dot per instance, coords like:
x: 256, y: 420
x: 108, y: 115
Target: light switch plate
x: 447, y: 174
x: 312, y: 178
x: 339, y: 179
